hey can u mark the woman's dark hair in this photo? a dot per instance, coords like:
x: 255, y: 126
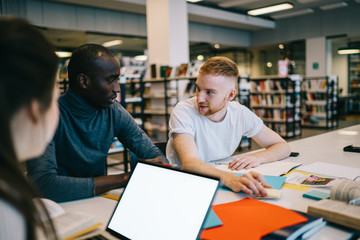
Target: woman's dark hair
x: 28, y: 68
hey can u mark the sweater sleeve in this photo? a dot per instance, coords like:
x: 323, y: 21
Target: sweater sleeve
x: 43, y: 171
x: 134, y: 138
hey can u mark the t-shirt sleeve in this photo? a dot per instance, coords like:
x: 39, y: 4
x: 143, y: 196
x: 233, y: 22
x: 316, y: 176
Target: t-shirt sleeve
x: 181, y: 121
x: 252, y: 124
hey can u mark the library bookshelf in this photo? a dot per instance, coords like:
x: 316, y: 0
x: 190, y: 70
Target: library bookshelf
x: 319, y: 102
x: 277, y: 101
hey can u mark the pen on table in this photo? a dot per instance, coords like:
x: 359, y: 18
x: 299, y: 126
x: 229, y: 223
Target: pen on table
x: 110, y: 196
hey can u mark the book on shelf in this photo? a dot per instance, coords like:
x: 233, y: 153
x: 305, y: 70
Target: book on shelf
x: 343, y: 207
x: 181, y: 70
x: 278, y: 86
x: 153, y: 72
x: 302, y: 230
x: 168, y: 72
x: 69, y: 225
x: 190, y: 88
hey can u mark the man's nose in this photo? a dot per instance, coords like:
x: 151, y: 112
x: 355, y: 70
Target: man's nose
x: 200, y: 96
x: 116, y: 86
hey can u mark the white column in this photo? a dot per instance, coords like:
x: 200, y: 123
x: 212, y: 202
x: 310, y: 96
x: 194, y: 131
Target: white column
x: 316, y: 57
x: 167, y: 32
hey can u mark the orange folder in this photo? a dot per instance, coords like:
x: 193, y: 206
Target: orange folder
x: 250, y: 219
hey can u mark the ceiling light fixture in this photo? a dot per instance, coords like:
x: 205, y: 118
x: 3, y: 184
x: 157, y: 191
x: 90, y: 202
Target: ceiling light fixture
x: 141, y: 57
x: 63, y: 54
x: 194, y: 1
x: 292, y: 14
x: 112, y: 43
x: 348, y: 50
x: 333, y: 6
x: 270, y: 9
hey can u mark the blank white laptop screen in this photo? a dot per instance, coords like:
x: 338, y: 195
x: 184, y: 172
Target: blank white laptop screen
x: 162, y: 203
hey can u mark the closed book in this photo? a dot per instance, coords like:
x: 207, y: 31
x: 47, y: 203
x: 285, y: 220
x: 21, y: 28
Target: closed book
x: 296, y: 231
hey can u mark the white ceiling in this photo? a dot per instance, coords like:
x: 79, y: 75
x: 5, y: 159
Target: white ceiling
x: 227, y: 14
x: 239, y: 6
x: 243, y: 5
x: 66, y: 39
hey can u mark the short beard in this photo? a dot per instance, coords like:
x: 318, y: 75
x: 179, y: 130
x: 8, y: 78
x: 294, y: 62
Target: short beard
x: 212, y: 111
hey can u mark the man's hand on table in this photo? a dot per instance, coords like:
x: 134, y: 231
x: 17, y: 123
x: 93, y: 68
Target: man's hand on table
x: 251, y: 182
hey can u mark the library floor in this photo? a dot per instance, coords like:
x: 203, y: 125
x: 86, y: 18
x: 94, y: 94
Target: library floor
x: 344, y: 121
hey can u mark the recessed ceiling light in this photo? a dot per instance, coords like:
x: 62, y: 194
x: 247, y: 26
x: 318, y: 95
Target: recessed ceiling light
x: 333, y: 6
x: 112, y: 43
x: 63, y: 54
x: 270, y: 9
x: 348, y: 51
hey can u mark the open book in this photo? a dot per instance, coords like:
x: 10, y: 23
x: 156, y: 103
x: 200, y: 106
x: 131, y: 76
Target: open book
x: 276, y: 168
x: 339, y: 208
x: 69, y: 225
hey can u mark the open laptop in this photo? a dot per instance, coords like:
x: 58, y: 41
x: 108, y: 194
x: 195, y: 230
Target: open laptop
x: 161, y: 202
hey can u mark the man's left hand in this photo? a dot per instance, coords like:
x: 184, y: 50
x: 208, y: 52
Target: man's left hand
x: 245, y: 162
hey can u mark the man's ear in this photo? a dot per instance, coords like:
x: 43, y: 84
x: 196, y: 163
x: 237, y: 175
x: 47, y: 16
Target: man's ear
x: 34, y: 111
x: 83, y: 80
x: 231, y: 95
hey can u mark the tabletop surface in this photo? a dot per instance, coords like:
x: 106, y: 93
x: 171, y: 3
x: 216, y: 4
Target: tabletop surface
x: 327, y: 147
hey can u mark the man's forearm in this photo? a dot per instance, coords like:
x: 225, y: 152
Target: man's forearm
x: 274, y: 152
x: 196, y: 165
x: 110, y: 182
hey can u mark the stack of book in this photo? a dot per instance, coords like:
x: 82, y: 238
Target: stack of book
x: 302, y: 230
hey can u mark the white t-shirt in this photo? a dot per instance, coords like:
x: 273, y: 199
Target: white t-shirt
x: 214, y: 140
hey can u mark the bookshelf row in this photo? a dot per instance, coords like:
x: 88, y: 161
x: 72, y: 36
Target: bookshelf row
x: 286, y: 104
x: 277, y: 101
